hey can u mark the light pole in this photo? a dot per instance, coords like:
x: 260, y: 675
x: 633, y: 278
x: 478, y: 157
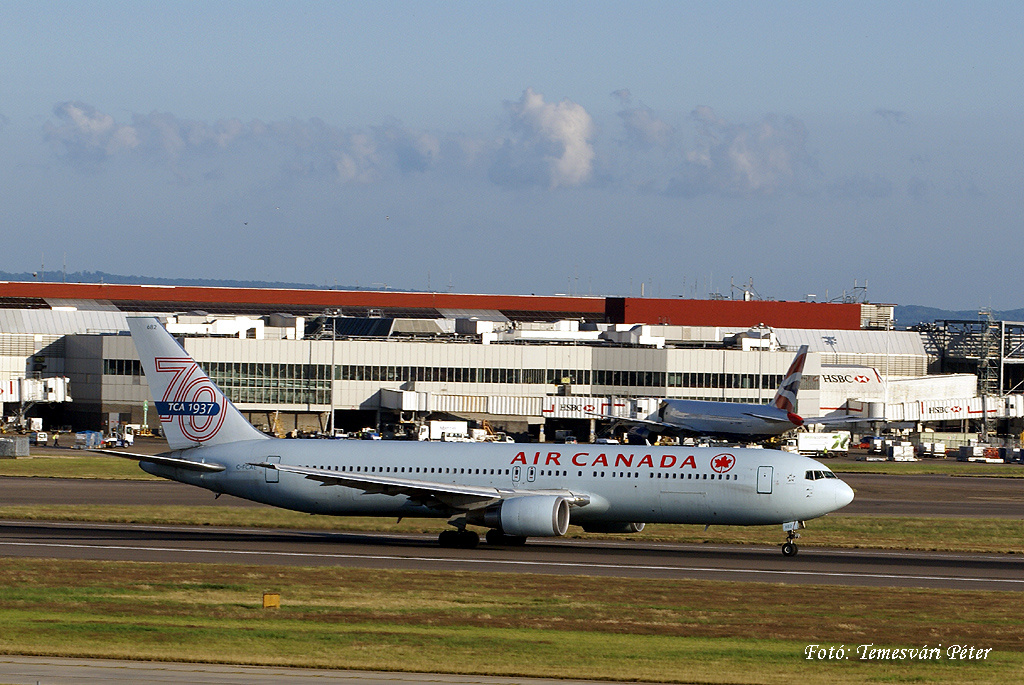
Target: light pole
x: 332, y: 313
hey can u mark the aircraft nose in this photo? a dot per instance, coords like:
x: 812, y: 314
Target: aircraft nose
x: 844, y: 494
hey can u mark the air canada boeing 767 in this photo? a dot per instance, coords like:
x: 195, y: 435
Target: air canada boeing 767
x: 513, y: 490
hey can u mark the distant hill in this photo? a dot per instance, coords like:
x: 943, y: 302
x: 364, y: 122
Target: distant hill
x: 913, y: 314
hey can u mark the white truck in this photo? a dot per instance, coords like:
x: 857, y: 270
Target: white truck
x: 827, y: 444
x: 123, y: 435
x: 449, y: 431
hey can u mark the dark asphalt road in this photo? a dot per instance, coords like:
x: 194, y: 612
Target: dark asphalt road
x: 813, y: 565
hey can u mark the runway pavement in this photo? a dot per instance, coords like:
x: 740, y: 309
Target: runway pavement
x: 814, y: 565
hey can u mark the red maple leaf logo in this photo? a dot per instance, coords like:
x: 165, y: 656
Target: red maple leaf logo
x: 722, y: 462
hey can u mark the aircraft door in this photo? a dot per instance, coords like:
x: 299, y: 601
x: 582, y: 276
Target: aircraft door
x: 764, y: 480
x: 517, y: 474
x: 273, y: 475
x: 531, y: 474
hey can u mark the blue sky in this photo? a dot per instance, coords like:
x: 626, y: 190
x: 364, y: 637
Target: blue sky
x: 585, y: 147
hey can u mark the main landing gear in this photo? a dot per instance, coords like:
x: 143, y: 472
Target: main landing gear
x: 467, y: 539
x: 462, y: 539
x: 498, y: 539
x: 789, y: 548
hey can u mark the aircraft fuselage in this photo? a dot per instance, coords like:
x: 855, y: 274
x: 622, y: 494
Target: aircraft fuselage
x: 735, y: 486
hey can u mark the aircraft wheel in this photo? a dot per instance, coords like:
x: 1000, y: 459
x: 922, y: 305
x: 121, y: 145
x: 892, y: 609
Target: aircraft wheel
x: 448, y: 538
x: 497, y: 538
x: 468, y: 539
x: 789, y: 549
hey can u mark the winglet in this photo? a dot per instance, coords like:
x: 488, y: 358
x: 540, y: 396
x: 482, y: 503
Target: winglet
x: 193, y: 410
x: 785, y: 396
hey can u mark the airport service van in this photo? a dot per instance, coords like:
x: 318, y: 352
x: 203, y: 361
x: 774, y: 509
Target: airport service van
x: 829, y: 443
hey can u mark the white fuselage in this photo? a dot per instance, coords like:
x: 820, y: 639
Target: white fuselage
x: 725, y: 420
x: 623, y: 483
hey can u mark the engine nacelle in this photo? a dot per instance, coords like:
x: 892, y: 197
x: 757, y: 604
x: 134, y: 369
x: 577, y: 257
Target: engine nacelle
x: 527, y: 516
x: 615, y: 527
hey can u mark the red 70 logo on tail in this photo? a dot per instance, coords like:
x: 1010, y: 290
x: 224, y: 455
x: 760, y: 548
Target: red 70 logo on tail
x: 191, y: 399
x: 723, y: 462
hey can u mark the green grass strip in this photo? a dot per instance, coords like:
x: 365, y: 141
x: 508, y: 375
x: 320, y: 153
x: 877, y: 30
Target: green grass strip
x: 75, y: 464
x: 500, y: 624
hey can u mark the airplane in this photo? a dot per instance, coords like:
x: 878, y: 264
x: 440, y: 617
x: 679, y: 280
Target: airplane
x: 513, y: 490
x: 732, y: 421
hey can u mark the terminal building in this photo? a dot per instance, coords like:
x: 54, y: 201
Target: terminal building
x: 325, y: 360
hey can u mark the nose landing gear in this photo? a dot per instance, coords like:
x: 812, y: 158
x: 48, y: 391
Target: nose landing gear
x: 789, y: 548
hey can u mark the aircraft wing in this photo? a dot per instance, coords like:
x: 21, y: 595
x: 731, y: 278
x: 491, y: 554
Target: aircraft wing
x: 429, y: 493
x: 186, y: 464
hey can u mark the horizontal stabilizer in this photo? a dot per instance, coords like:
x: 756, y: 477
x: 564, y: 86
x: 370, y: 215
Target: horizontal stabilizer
x: 835, y: 420
x: 769, y: 417
x: 186, y: 464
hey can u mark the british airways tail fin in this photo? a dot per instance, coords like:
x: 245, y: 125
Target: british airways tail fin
x: 785, y: 396
x: 193, y: 410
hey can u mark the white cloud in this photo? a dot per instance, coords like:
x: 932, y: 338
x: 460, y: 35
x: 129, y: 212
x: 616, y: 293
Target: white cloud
x: 743, y: 159
x: 86, y: 132
x: 360, y: 155
x: 550, y: 143
x: 644, y: 130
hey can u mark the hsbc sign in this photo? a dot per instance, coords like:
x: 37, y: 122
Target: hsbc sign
x: 846, y: 378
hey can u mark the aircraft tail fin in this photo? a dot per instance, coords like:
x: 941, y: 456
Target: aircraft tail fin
x: 193, y: 410
x: 785, y: 396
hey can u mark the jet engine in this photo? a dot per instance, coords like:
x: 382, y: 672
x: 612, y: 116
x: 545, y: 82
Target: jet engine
x: 613, y: 527
x: 526, y: 516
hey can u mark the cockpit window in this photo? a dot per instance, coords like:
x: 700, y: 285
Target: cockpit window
x: 818, y: 475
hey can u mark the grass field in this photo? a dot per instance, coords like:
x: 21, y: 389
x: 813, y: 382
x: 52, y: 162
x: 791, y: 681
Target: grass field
x: 75, y: 464
x: 530, y: 625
